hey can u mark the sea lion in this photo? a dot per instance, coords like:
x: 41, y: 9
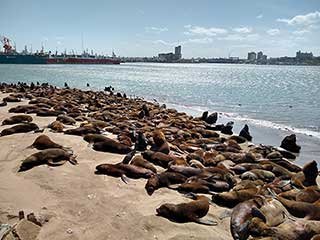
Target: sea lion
x: 308, y: 194
x: 20, y: 128
x: 66, y: 119
x: 80, y: 131
x: 56, y: 126
x: 94, y: 138
x: 17, y: 119
x: 256, y: 174
x: 51, y: 156
x: 141, y: 142
x: 44, y: 142
x: 245, y: 133
x: 110, y: 145
x: 164, y: 179
x: 158, y: 158
x: 160, y: 142
x: 124, y: 170
x: 141, y: 162
x: 48, y: 113
x: 289, y: 143
x: 307, y: 177
x: 187, y: 212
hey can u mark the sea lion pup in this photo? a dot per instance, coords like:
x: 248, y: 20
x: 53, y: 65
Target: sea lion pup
x: 66, y: 119
x: 80, y: 131
x: 141, y: 162
x: 160, y: 142
x: 20, y: 128
x: 288, y: 230
x: 307, y: 177
x: 44, y: 142
x: 17, y: 119
x: 110, y: 145
x: 187, y: 212
x: 56, y: 126
x: 123, y: 171
x: 3, y: 103
x: 51, y: 156
x: 289, y: 143
x: 245, y: 133
x: 164, y: 179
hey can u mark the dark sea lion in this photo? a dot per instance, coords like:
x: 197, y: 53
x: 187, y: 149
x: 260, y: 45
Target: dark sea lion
x: 66, y: 119
x: 141, y: 142
x: 141, y: 162
x: 48, y: 113
x: 110, y: 145
x: 20, y: 128
x: 93, y: 138
x: 289, y: 143
x: 122, y: 170
x: 51, y: 156
x: 245, y: 133
x: 211, y: 119
x: 308, y: 194
x: 11, y: 99
x: 164, y: 179
x: 17, y: 119
x: 184, y: 170
x: 3, y: 103
x: 187, y: 212
x: 44, y: 142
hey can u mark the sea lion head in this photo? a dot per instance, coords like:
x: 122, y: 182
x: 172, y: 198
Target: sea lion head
x: 152, y: 184
x: 310, y: 170
x: 158, y: 137
x: 165, y: 210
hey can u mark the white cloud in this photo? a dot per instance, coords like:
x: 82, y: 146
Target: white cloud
x: 156, y: 29
x: 238, y: 37
x: 242, y: 30
x: 300, y: 32
x: 162, y: 42
x: 273, y: 31
x: 259, y: 16
x: 201, y: 40
x: 197, y: 30
x: 308, y: 19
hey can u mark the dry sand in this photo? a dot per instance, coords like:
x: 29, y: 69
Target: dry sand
x: 82, y: 205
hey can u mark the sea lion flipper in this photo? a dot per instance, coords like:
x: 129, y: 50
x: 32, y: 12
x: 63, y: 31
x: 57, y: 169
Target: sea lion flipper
x: 54, y: 163
x: 173, y: 186
x: 73, y: 160
x: 125, y: 179
x: 206, y: 222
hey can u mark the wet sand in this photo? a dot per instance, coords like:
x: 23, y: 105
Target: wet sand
x: 81, y: 205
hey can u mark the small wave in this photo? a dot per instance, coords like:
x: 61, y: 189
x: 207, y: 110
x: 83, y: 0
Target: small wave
x: 198, y: 110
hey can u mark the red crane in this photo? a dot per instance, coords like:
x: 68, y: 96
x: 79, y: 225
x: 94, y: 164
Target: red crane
x: 6, y: 44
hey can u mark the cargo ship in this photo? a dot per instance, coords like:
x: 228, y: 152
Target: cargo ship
x: 10, y: 56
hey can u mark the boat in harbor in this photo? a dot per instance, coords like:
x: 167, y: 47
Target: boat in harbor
x: 9, y: 55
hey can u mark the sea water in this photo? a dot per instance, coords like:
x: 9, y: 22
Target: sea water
x: 273, y: 97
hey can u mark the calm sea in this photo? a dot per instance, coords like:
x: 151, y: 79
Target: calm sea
x: 272, y: 96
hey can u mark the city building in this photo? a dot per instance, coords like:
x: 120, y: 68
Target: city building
x: 252, y: 56
x: 259, y: 55
x: 303, y: 56
x: 171, y: 57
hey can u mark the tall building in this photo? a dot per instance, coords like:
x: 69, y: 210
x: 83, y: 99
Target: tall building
x: 260, y: 55
x: 252, y: 56
x: 177, y: 52
x: 301, y: 55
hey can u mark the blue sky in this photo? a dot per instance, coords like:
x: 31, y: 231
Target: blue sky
x: 204, y: 28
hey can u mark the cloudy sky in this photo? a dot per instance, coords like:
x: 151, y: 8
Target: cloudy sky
x: 204, y: 28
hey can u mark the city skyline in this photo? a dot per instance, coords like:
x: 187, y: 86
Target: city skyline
x: 145, y: 28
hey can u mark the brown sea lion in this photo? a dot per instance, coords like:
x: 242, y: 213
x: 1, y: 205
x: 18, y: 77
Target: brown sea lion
x: 124, y: 170
x: 51, y: 156
x: 20, y: 128
x: 164, y: 179
x: 141, y: 162
x: 160, y: 142
x: 110, y: 145
x: 48, y: 113
x: 308, y: 194
x: 307, y: 177
x: 158, y: 158
x: 44, y: 142
x: 56, y: 126
x: 66, y: 119
x: 187, y: 212
x: 17, y: 119
x: 81, y: 131
x: 256, y: 174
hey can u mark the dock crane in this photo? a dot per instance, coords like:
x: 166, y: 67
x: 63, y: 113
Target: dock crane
x: 6, y: 44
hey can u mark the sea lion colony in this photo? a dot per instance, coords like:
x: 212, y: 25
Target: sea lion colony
x: 270, y: 197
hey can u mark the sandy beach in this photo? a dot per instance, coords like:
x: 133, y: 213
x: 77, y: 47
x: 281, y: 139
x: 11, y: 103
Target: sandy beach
x: 81, y: 205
